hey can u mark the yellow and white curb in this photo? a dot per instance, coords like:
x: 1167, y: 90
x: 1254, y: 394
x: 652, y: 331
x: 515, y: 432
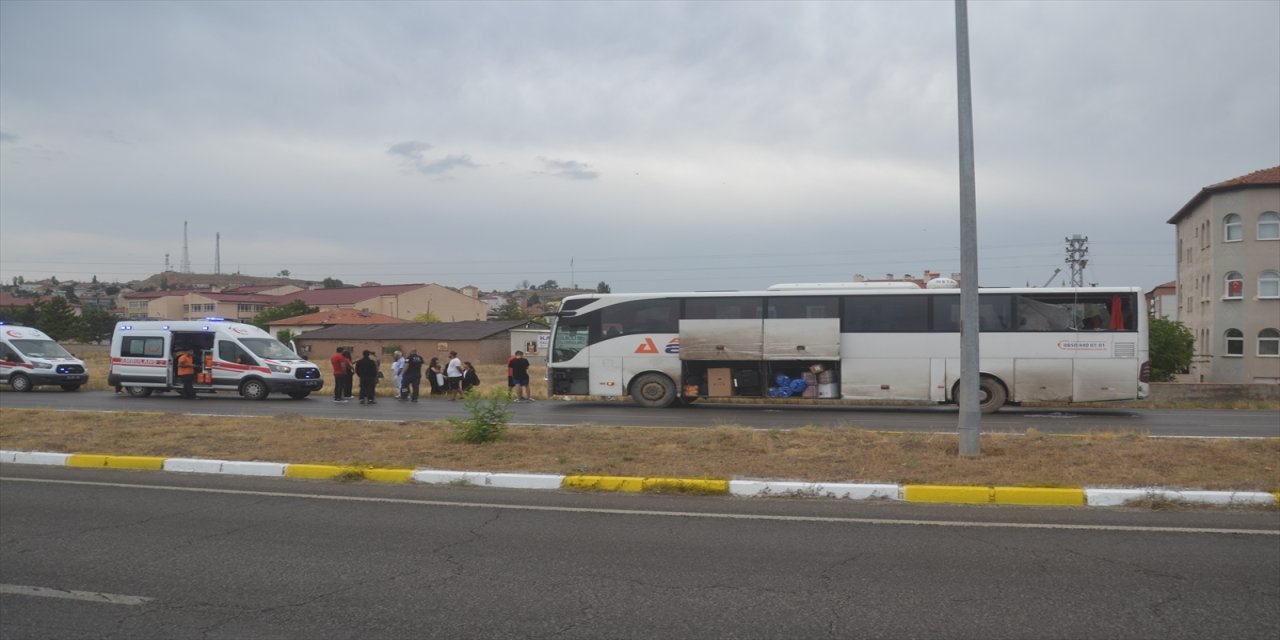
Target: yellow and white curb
x: 918, y: 493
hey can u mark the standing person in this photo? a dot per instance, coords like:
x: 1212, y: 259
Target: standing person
x: 453, y: 376
x: 397, y: 372
x: 351, y: 378
x: 340, y: 363
x: 367, y: 369
x: 469, y: 377
x: 411, y: 377
x: 435, y: 377
x: 187, y: 373
x: 520, y: 375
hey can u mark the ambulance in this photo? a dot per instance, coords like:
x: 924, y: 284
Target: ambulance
x: 28, y: 358
x: 229, y: 356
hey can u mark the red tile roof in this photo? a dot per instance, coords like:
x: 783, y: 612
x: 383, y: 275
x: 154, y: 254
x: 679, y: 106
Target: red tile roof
x: 339, y: 317
x: 1258, y: 179
x: 8, y: 300
x: 347, y: 295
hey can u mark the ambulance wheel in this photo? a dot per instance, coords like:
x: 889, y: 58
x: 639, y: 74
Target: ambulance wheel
x: 138, y: 392
x: 254, y: 390
x: 653, y: 390
x: 20, y: 382
x: 298, y: 395
x: 70, y: 387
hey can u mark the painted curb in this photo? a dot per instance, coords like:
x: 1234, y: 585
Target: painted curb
x: 1034, y: 496
x: 847, y: 491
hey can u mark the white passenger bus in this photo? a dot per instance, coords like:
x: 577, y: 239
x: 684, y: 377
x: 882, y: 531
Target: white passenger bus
x: 826, y: 341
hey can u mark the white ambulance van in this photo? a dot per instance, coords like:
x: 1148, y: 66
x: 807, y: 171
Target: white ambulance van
x: 28, y: 357
x: 229, y: 356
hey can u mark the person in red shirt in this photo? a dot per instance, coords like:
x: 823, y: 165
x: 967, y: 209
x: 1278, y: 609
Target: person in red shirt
x: 341, y: 374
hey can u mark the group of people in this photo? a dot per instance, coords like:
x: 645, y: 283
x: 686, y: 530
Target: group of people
x: 345, y: 370
x: 453, y: 379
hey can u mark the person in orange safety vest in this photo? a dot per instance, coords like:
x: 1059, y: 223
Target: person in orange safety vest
x: 186, y: 373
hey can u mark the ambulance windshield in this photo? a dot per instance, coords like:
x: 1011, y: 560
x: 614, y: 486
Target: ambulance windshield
x: 41, y: 349
x: 269, y: 348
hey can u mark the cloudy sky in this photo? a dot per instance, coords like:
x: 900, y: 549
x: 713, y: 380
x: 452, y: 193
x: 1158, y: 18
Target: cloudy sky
x: 653, y: 146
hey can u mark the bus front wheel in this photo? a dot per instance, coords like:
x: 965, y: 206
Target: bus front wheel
x: 653, y: 390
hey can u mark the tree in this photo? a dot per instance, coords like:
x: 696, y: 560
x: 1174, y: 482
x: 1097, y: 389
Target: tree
x: 511, y: 311
x: 533, y: 299
x: 58, y: 320
x: 69, y: 292
x: 549, y: 285
x: 427, y: 317
x: 332, y: 283
x: 284, y: 335
x: 1172, y: 346
x: 111, y: 290
x: 290, y: 310
x: 96, y: 325
x: 603, y: 287
x: 26, y: 315
x: 284, y: 273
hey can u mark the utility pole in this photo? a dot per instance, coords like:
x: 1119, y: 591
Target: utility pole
x: 970, y: 412
x: 1077, y: 249
x: 217, y: 253
x: 186, y: 255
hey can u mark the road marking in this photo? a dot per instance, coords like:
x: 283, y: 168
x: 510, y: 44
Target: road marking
x: 669, y: 514
x: 66, y: 594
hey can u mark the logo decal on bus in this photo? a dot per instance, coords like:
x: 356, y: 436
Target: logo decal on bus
x: 648, y: 346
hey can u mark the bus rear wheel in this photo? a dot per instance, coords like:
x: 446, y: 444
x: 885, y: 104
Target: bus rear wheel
x: 653, y: 390
x: 991, y: 394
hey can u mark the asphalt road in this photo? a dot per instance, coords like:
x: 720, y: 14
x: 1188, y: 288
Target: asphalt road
x: 1205, y: 423
x: 155, y: 555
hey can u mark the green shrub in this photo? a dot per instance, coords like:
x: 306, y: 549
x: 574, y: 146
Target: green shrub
x: 489, y: 415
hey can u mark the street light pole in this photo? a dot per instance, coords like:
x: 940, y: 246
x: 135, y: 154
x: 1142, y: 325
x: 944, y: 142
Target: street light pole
x: 970, y: 415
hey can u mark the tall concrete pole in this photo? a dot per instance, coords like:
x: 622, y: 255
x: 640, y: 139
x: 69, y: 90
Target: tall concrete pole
x: 970, y: 413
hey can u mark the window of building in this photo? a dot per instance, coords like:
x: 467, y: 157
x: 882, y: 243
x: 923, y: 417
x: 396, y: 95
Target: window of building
x: 1232, y: 228
x: 1269, y: 343
x: 1269, y: 226
x: 1234, y: 285
x: 1269, y: 284
x: 1235, y: 342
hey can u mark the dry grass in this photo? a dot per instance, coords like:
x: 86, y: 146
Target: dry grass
x: 812, y: 454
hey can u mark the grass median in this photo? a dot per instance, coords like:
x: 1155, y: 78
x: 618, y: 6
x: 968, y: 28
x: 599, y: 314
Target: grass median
x: 806, y: 454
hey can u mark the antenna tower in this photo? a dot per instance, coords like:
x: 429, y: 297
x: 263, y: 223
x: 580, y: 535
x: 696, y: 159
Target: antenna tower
x: 186, y: 255
x: 1077, y: 249
x: 217, y: 253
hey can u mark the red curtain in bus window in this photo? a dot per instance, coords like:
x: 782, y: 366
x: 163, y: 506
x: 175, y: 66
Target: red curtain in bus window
x: 1117, y: 314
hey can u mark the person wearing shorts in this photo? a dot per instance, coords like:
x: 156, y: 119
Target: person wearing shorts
x: 453, y: 376
x: 520, y: 377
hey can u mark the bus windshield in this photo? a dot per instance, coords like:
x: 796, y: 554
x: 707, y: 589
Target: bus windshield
x: 41, y: 349
x: 269, y: 348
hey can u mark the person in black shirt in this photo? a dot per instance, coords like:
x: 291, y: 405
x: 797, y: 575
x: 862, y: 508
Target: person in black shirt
x: 520, y: 377
x: 411, y: 378
x: 367, y: 370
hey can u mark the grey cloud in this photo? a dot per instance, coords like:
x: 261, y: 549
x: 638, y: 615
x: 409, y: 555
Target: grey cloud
x: 5, y: 136
x: 446, y: 164
x: 414, y: 154
x: 571, y: 169
x: 411, y: 149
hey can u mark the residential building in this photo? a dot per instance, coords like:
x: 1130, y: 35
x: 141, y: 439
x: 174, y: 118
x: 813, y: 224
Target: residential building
x: 323, y: 319
x: 1162, y: 301
x: 476, y: 341
x: 1228, y: 286
x: 403, y: 301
